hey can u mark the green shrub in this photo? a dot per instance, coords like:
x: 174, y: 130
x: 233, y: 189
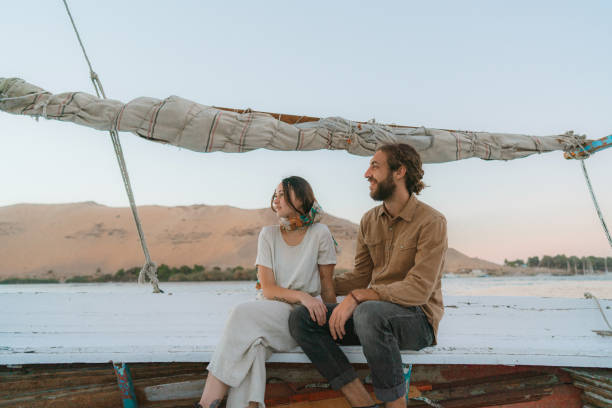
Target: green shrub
x: 15, y: 281
x: 79, y: 279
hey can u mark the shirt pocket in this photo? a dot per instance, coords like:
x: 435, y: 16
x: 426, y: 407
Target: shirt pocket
x: 376, y: 249
x: 403, y: 255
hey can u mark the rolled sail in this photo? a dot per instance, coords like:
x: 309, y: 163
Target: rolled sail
x: 202, y: 128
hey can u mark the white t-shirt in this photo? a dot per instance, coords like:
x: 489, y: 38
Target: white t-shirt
x: 295, y: 267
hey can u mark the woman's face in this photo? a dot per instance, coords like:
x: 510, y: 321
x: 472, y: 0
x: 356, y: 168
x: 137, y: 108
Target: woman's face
x: 283, y: 209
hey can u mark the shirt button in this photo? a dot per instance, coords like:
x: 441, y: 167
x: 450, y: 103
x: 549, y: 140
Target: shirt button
x: 390, y: 228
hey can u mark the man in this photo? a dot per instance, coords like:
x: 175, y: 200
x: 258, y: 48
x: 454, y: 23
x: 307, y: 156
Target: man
x: 393, y: 296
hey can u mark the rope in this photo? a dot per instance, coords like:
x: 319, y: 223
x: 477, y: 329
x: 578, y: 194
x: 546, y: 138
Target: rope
x: 23, y: 96
x: 599, y: 214
x: 578, y: 141
x: 589, y: 295
x: 427, y: 401
x: 150, y: 268
x: 571, y: 141
x: 94, y: 77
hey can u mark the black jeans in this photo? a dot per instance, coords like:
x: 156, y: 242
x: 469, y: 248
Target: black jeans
x: 382, y: 328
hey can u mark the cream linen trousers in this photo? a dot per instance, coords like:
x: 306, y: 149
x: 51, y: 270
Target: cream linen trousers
x: 253, y: 332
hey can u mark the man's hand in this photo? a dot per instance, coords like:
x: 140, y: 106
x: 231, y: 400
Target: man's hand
x: 340, y: 315
x: 345, y: 310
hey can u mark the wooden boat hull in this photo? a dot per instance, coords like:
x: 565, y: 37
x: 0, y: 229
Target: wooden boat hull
x: 300, y: 386
x: 492, y: 351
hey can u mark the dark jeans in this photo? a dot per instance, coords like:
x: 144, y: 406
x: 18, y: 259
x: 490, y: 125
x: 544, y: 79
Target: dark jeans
x: 382, y: 328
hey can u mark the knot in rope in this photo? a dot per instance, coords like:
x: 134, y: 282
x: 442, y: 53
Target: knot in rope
x: 572, y: 142
x: 149, y: 270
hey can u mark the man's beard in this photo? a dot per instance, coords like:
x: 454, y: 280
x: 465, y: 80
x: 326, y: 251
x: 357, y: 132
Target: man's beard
x: 384, y: 189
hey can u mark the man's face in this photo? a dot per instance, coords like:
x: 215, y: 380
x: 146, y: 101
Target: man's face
x: 380, y: 176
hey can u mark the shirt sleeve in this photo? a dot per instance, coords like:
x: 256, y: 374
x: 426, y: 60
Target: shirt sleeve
x: 420, y: 281
x: 264, y: 250
x: 361, y: 275
x: 327, y: 248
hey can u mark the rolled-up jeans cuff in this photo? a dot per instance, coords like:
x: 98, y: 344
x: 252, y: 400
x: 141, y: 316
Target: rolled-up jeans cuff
x: 343, y: 379
x: 390, y: 394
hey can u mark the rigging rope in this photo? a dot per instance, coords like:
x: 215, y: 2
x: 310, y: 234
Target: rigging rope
x: 150, y: 268
x: 599, y: 214
x: 579, y: 143
x: 14, y: 98
x: 589, y: 295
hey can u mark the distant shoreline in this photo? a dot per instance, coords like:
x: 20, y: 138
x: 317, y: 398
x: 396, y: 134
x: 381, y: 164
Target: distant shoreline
x: 196, y: 273
x: 199, y: 273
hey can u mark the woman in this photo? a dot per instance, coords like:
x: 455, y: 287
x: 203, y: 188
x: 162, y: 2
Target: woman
x: 295, y: 263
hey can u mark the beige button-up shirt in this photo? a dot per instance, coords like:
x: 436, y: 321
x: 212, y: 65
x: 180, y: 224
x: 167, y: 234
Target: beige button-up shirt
x: 401, y: 258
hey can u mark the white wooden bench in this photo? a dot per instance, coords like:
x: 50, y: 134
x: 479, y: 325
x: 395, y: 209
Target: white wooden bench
x: 127, y: 323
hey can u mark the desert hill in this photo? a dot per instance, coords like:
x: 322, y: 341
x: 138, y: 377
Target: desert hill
x: 459, y: 262
x: 89, y: 238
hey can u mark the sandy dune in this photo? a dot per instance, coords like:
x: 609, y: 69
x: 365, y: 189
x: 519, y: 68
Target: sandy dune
x: 88, y: 238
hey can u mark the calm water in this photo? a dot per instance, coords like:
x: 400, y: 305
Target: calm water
x: 544, y: 286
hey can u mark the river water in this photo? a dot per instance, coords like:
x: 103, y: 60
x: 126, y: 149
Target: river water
x: 541, y: 286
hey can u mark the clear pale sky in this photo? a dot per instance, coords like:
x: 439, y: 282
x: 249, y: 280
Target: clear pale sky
x: 540, y: 68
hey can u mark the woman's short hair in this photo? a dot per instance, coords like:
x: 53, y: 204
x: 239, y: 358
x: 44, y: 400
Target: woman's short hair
x: 302, y: 190
x: 402, y: 154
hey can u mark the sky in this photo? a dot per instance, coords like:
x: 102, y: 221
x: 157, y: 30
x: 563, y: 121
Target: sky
x: 539, y: 68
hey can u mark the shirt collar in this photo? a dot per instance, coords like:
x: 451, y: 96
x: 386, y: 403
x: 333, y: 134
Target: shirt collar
x: 406, y: 213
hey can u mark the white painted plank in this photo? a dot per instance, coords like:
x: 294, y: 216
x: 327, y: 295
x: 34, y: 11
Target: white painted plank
x: 130, y: 324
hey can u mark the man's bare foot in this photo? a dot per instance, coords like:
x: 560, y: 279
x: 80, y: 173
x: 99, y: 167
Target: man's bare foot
x: 398, y: 403
x: 356, y: 394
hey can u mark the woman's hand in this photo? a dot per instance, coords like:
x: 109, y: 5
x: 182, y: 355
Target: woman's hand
x: 316, y: 308
x: 271, y: 291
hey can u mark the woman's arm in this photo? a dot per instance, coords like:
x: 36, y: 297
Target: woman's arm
x: 328, y: 294
x: 271, y: 291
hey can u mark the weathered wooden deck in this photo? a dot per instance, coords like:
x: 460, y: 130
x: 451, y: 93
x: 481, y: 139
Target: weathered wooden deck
x: 130, y: 324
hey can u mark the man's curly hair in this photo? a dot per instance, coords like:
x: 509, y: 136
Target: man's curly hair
x: 402, y: 154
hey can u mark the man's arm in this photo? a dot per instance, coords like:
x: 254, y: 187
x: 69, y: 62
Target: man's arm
x: 326, y: 272
x: 358, y: 278
x: 361, y: 274
x: 416, y: 288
